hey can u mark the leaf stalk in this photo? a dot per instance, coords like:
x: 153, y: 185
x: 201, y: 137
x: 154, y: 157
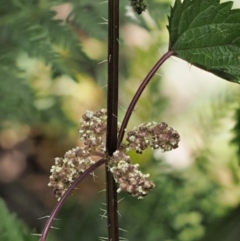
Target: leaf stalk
x: 64, y: 197
x: 139, y: 92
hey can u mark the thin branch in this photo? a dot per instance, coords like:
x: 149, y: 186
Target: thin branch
x: 139, y: 92
x: 65, y: 195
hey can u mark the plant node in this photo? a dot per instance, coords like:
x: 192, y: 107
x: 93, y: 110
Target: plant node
x: 92, y: 129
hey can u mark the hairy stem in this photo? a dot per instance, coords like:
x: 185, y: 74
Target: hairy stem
x: 139, y: 92
x: 112, y: 112
x: 64, y: 197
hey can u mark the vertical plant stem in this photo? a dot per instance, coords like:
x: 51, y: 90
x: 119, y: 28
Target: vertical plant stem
x: 112, y: 112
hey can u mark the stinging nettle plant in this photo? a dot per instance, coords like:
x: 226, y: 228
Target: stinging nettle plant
x: 205, y: 33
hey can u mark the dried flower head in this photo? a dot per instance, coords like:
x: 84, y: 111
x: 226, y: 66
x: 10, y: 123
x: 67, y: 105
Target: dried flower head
x: 139, y: 5
x: 164, y: 137
x: 155, y: 135
x: 92, y: 129
x: 66, y: 170
x: 128, y: 177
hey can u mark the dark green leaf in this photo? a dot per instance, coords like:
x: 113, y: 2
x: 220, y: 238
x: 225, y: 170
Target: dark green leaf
x: 207, y: 34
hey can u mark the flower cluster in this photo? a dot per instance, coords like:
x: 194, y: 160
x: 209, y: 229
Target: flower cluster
x: 92, y: 130
x: 155, y: 135
x: 129, y: 178
x: 139, y: 5
x: 68, y: 169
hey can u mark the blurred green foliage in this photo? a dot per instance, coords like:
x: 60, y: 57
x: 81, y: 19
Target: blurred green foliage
x: 41, y: 56
x: 236, y: 138
x: 11, y: 228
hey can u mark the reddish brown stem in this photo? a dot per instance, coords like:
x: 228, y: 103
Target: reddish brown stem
x: 112, y: 115
x: 139, y: 92
x: 64, y: 197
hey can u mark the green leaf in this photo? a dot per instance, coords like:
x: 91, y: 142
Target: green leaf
x: 207, y: 34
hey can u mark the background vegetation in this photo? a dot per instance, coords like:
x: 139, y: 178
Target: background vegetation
x: 52, y: 70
